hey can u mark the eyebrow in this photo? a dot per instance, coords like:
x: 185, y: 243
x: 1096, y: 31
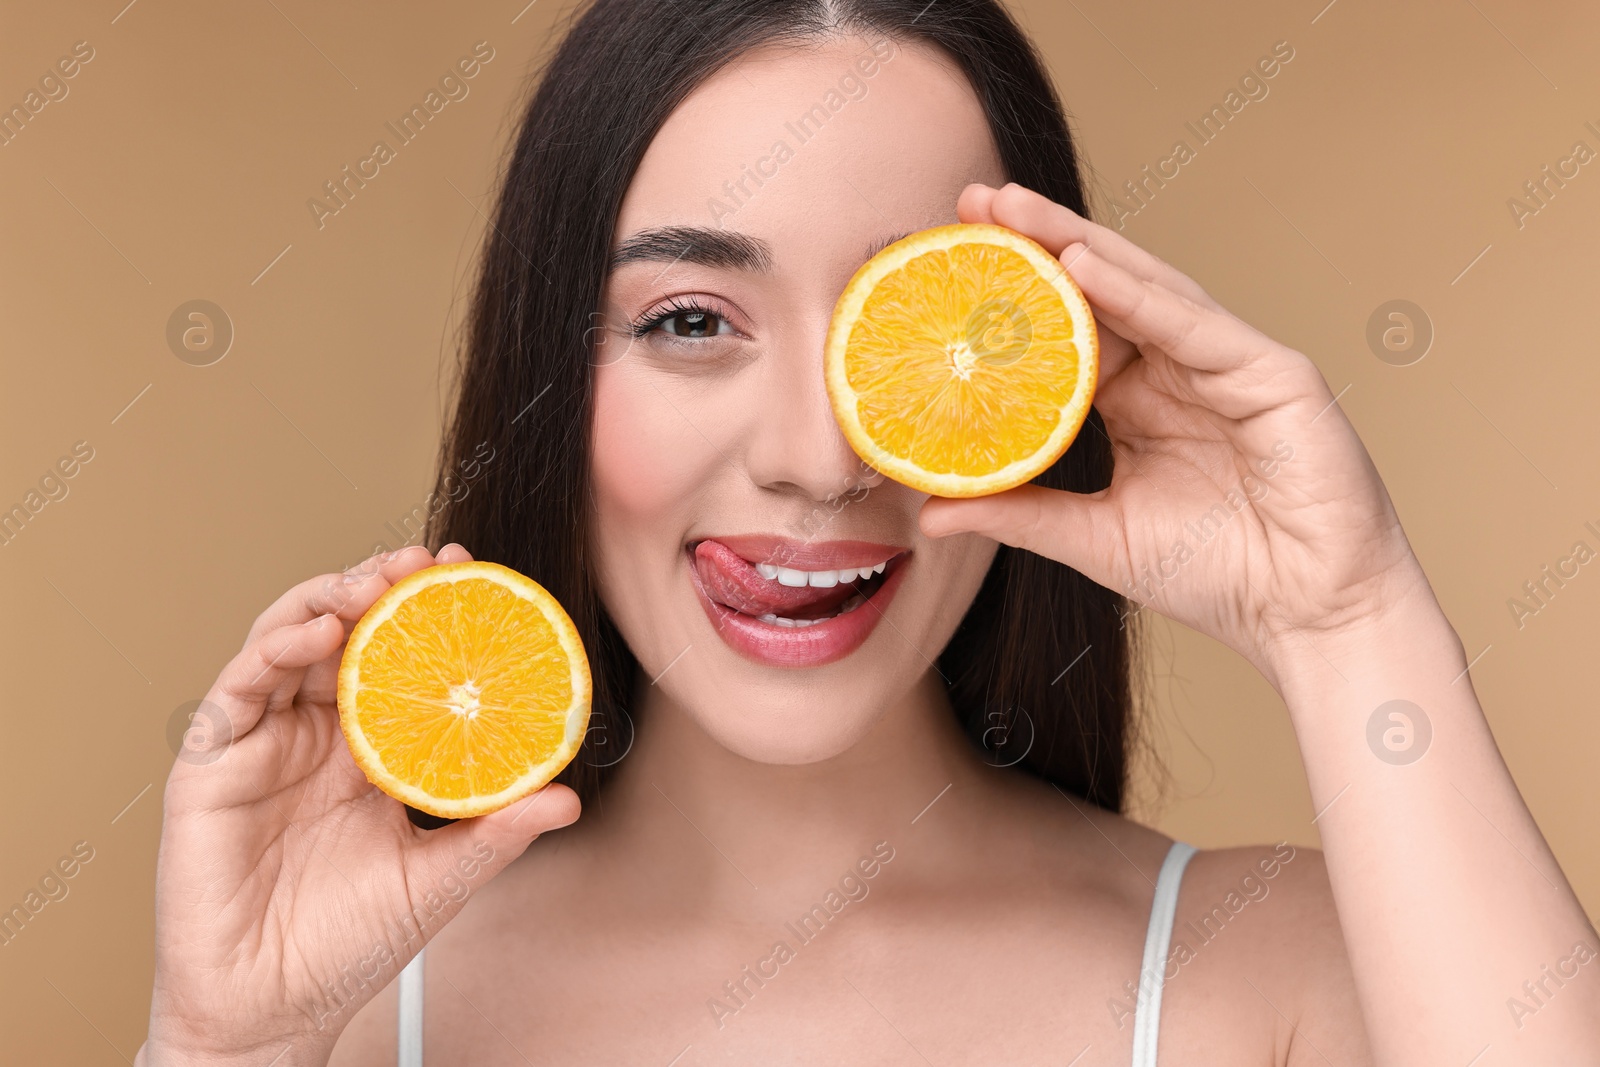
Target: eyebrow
x: 879, y: 246
x: 695, y: 244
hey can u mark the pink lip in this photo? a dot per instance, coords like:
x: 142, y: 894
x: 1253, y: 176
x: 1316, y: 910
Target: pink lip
x: 812, y: 646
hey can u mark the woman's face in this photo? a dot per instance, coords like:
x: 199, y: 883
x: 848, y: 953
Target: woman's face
x: 728, y: 503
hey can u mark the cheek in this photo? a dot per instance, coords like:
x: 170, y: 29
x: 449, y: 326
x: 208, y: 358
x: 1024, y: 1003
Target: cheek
x: 648, y: 459
x: 651, y: 473
x: 650, y: 463
x: 964, y: 561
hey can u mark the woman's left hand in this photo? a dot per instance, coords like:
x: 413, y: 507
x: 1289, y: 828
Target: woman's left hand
x: 1241, y: 503
x: 1301, y: 566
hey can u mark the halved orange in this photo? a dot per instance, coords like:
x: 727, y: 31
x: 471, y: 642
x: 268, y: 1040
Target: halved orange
x: 463, y: 689
x: 962, y: 360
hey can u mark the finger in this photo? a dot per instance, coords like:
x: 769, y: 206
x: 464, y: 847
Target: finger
x: 1065, y: 527
x: 974, y: 204
x: 241, y: 690
x: 475, y: 850
x: 1056, y: 226
x: 1149, y: 314
x: 1116, y: 352
x: 347, y: 595
x: 453, y: 553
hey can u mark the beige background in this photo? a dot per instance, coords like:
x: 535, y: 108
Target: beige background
x: 179, y: 166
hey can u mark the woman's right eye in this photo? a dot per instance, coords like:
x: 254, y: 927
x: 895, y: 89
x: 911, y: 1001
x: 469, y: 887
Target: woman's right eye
x: 684, y: 321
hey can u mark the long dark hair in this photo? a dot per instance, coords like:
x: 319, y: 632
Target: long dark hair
x: 526, y: 376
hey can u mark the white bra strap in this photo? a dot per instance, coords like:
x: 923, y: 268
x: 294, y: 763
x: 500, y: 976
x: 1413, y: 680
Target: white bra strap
x: 1157, y: 940
x: 410, y: 1036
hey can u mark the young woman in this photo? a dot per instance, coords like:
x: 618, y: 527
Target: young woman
x: 881, y: 824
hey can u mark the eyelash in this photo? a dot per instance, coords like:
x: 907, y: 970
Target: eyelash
x: 671, y: 310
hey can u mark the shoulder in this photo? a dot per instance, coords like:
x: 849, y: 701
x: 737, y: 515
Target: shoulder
x: 1256, y: 937
x: 1220, y: 888
x: 1257, y: 958
x: 1266, y: 909
x: 1111, y: 851
x: 1221, y: 885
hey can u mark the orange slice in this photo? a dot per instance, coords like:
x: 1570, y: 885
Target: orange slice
x: 463, y: 689
x: 962, y: 360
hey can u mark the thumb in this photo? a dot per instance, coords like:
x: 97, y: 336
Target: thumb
x: 551, y: 808
x: 475, y: 850
x: 1050, y: 522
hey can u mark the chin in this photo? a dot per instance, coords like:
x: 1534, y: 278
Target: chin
x: 794, y: 720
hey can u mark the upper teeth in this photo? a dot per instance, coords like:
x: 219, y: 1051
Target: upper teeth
x: 820, y: 579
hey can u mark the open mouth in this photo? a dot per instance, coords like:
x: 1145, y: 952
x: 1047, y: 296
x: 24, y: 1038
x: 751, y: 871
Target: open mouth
x: 778, y: 594
x: 787, y: 603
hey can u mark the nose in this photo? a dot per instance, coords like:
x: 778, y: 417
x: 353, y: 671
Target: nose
x: 795, y: 444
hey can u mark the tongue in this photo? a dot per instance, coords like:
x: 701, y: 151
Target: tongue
x: 734, y: 583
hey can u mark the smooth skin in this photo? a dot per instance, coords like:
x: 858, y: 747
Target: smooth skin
x: 1011, y: 917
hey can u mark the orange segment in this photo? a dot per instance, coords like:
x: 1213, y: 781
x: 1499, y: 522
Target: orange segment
x: 962, y: 360
x: 463, y: 689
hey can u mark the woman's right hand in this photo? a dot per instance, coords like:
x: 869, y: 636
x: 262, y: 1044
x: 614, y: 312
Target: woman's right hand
x: 289, y: 890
